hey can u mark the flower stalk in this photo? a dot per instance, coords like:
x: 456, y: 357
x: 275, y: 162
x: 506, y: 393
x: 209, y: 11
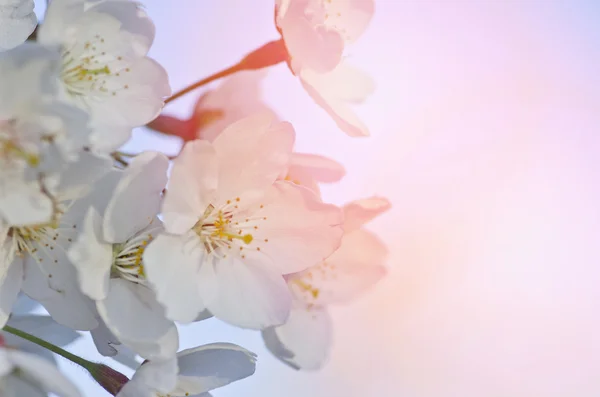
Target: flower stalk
x: 269, y: 54
x: 110, y: 379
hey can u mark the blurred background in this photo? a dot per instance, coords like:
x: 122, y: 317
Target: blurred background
x: 485, y: 137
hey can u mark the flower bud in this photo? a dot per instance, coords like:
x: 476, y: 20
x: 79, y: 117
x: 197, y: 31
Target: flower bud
x: 111, y: 380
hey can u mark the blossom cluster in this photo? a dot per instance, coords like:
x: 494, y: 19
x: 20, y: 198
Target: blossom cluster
x: 126, y: 247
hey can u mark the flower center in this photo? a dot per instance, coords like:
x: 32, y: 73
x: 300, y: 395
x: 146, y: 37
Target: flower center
x: 221, y: 229
x: 127, y: 262
x: 11, y: 149
x: 88, y: 68
x: 41, y: 241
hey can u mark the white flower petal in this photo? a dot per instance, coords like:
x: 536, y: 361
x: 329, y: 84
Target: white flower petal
x: 150, y: 378
x: 136, y: 199
x: 211, y: 366
x: 304, y: 341
x: 137, y: 320
x: 104, y: 340
x: 45, y: 374
x: 17, y: 22
x: 92, y: 257
x: 172, y: 264
x: 60, y: 294
x: 191, y: 187
x: 243, y: 294
x: 10, y: 286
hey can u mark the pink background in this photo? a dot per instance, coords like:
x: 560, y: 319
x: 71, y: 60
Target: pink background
x: 485, y: 138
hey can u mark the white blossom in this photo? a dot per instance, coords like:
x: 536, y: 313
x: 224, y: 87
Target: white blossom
x: 105, y: 70
x: 232, y: 231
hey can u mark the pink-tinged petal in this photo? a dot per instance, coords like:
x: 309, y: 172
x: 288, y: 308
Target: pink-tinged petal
x: 92, y: 257
x: 192, y: 186
x: 304, y: 341
x: 333, y: 91
x: 323, y: 169
x: 245, y: 295
x: 238, y: 97
x: 171, y: 264
x: 133, y: 315
x: 10, y: 285
x: 310, y: 45
x: 310, y: 169
x: 359, y: 212
x: 299, y: 231
x: 354, y: 268
x: 349, y: 17
x: 212, y: 366
x: 252, y: 153
x: 136, y: 199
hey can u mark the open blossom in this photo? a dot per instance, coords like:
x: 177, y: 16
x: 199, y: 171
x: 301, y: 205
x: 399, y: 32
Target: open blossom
x: 239, y: 96
x: 25, y: 374
x: 232, y: 230
x: 193, y: 372
x: 39, y: 136
x: 17, y: 22
x: 315, y: 32
x: 33, y: 255
x: 108, y: 255
x: 303, y: 342
x: 105, y: 70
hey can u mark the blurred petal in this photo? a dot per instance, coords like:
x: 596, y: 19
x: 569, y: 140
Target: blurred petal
x: 359, y: 212
x: 304, y: 341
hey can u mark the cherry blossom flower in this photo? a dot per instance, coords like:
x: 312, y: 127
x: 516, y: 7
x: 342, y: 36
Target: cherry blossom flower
x: 239, y: 96
x: 193, y: 372
x: 39, y: 136
x: 316, y: 31
x: 105, y: 70
x: 17, y: 22
x: 108, y: 256
x: 25, y: 374
x: 33, y: 255
x: 232, y: 231
x: 303, y: 342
